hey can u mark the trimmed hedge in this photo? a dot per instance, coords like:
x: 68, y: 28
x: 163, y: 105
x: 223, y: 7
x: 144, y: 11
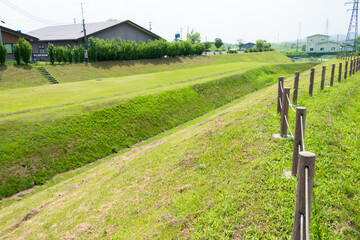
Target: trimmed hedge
x: 119, y: 49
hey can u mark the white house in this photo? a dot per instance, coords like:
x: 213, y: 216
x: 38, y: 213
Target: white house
x: 320, y: 43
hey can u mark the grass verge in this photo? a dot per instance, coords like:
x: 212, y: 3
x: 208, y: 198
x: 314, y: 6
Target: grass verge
x: 32, y: 152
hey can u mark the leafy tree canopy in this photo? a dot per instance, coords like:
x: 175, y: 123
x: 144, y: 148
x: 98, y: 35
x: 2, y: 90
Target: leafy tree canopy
x: 218, y: 42
x: 193, y: 37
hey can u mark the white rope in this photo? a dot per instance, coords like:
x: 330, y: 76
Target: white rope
x: 301, y: 226
x: 302, y: 132
x: 280, y: 103
x: 288, y: 125
x: 290, y: 104
x: 307, y: 214
x: 281, y: 87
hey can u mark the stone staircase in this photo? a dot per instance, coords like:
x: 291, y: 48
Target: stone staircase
x: 47, y: 75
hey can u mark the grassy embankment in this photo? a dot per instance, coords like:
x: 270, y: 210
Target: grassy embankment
x: 14, y: 76
x: 217, y: 177
x: 34, y: 151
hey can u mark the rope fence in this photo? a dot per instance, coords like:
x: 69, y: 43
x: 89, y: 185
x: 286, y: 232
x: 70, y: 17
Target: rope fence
x: 303, y: 162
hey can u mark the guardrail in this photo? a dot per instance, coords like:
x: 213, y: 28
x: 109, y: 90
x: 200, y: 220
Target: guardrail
x: 303, y: 162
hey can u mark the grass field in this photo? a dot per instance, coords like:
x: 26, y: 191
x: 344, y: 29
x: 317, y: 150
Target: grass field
x: 64, y: 142
x: 217, y: 177
x: 14, y: 76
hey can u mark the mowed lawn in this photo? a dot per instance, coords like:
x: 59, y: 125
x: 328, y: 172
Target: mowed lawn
x: 23, y: 99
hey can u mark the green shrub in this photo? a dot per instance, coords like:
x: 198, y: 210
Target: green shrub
x: 25, y: 50
x: 17, y: 53
x: 76, y: 54
x: 52, y: 52
x: 2, y: 53
x: 81, y: 53
x: 59, y: 54
x: 69, y: 53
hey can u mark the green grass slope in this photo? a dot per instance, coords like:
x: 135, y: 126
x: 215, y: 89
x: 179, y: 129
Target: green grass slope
x: 217, y: 177
x: 34, y: 151
x: 14, y: 76
x: 71, y: 73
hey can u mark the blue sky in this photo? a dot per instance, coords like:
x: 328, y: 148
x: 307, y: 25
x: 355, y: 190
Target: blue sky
x: 276, y: 20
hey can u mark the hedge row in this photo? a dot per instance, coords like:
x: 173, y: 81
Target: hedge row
x: 119, y: 49
x: 65, y: 54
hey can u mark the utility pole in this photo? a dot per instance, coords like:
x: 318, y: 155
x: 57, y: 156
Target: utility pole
x: 150, y: 28
x: 74, y: 20
x: 299, y: 38
x: 327, y: 27
x: 353, y: 23
x: 84, y: 29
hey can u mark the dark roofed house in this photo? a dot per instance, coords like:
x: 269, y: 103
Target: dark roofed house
x: 73, y: 34
x: 248, y: 45
x: 9, y: 37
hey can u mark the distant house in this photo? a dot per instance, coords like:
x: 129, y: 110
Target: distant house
x: 9, y: 37
x: 320, y: 43
x: 248, y: 45
x: 73, y: 34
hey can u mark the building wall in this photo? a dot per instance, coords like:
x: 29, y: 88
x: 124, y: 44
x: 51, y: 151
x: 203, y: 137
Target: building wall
x: 9, y: 38
x: 124, y: 31
x: 321, y: 43
x: 40, y: 48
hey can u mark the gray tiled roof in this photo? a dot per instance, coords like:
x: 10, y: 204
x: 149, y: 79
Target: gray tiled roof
x: 70, y: 32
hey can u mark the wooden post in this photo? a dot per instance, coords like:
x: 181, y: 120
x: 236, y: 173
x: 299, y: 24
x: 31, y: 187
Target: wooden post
x: 340, y: 68
x: 323, y: 77
x: 296, y: 87
x: 332, y: 75
x: 280, y: 87
x: 306, y: 161
x: 284, y: 112
x: 351, y: 66
x: 311, y: 85
x: 346, y: 69
x: 353, y: 70
x: 300, y: 118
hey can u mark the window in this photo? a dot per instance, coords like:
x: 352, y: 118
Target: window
x: 322, y: 49
x: 333, y: 49
x: 9, y: 48
x: 311, y: 40
x: 41, y: 49
x: 322, y: 39
x: 311, y: 49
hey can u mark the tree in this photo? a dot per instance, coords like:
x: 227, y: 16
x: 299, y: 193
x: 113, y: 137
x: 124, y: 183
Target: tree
x: 207, y: 45
x: 303, y: 47
x: 81, y: 53
x: 17, y: 53
x: 25, y: 50
x: 59, y: 52
x: 193, y: 37
x: 2, y: 53
x: 69, y: 54
x: 259, y: 45
x: 240, y: 43
x: 76, y: 54
x: 218, y: 42
x: 51, y: 51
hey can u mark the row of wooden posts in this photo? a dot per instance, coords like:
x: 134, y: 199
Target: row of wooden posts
x: 303, y: 162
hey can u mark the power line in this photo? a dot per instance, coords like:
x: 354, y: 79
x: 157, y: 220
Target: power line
x: 19, y: 10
